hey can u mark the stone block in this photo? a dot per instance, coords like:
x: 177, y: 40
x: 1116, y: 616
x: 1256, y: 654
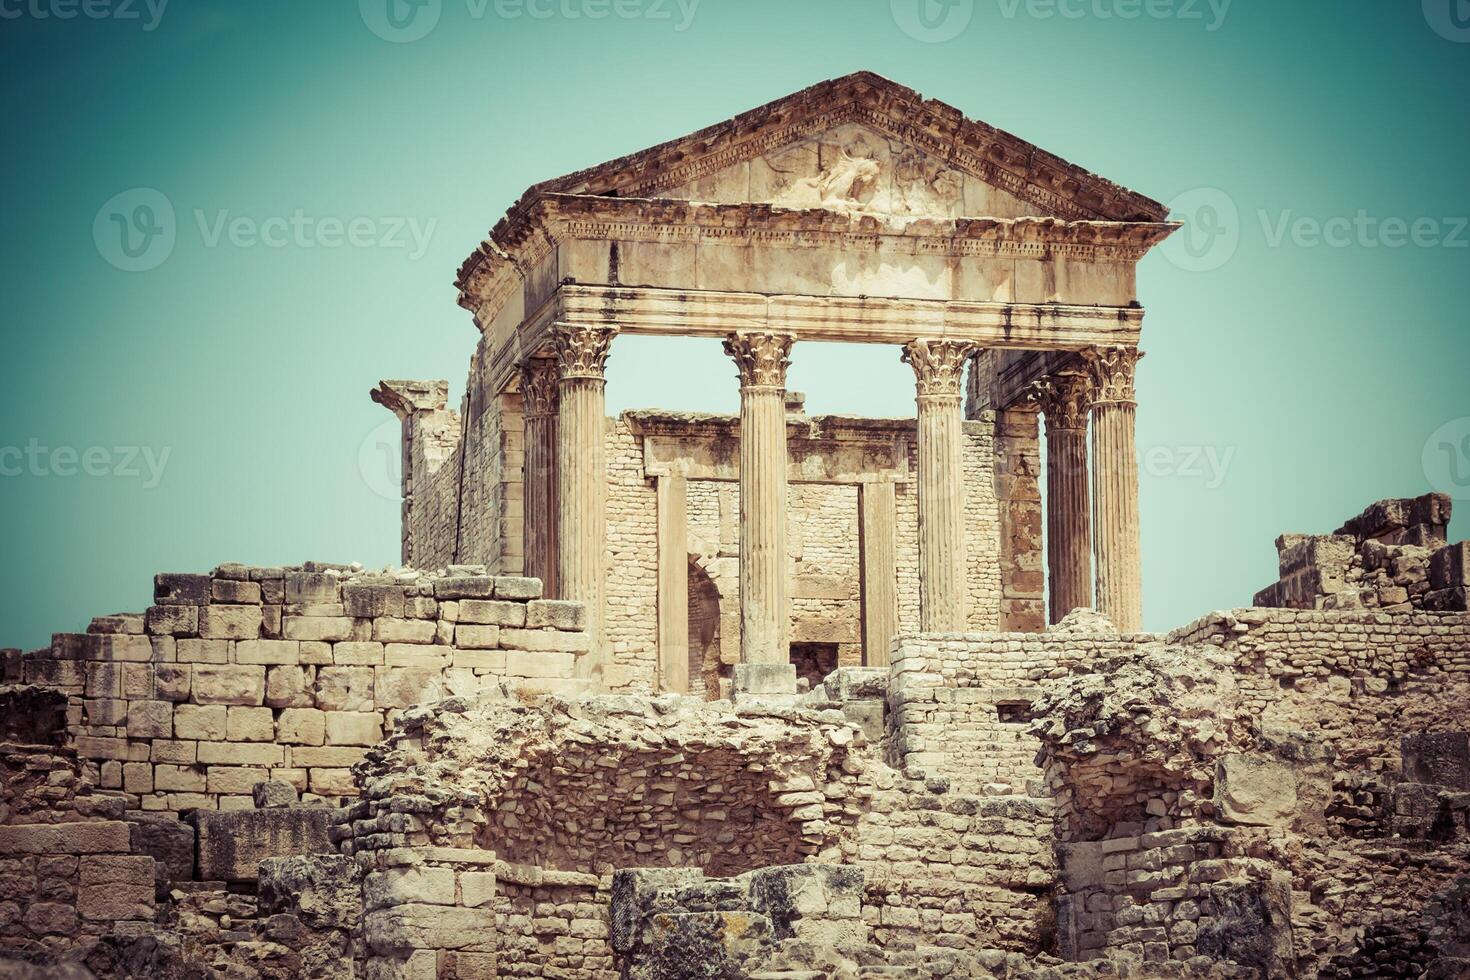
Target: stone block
x: 301, y: 726
x: 476, y: 888
x: 345, y: 688
x: 137, y: 777
x: 529, y: 663
x: 272, y: 793
x: 240, y: 754
x: 327, y: 757
x: 390, y: 630
x: 172, y: 620
x: 150, y: 719
x: 517, y: 587
x: 200, y: 722
x: 173, y: 587
x: 1437, y: 758
x: 333, y: 782
x: 267, y: 652
x: 493, y: 660
x: 91, y: 837
x: 409, y: 884
x: 123, y: 648
x: 168, y: 841
x: 101, y: 747
x: 232, y: 844
x: 416, y: 655
x: 203, y: 651
x: 561, y: 614
x: 358, y: 654
x: 492, y: 613
x: 116, y: 888
x: 234, y: 780
x: 289, y: 687
x: 328, y: 628
x: 235, y: 592
x: 406, y: 928
x: 1255, y: 791
x: 551, y: 640
x: 250, y: 725
x: 464, y: 587
x: 372, y: 601
x: 399, y: 687
x: 240, y: 684
x: 311, y: 588
x: 354, y: 727
x: 765, y: 679
x: 1449, y: 567
x: 178, y: 779
x: 230, y: 622
x: 477, y: 637
x: 173, y: 682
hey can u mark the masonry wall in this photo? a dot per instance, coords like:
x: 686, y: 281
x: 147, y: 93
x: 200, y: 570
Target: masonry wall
x: 248, y: 674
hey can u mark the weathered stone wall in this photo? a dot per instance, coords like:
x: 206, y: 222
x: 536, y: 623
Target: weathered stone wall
x: 248, y: 674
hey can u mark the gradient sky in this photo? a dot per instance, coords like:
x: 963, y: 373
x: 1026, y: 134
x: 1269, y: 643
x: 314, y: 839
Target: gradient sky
x: 1316, y: 375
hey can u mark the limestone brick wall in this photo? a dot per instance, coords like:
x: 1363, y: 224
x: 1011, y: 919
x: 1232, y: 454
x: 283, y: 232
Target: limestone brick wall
x: 960, y: 703
x: 248, y: 674
x: 1359, y: 678
x: 632, y: 565
x: 433, y: 456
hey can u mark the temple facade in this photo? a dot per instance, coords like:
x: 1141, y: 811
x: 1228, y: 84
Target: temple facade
x: 776, y: 544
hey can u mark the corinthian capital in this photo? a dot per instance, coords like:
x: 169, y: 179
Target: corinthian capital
x: 1112, y: 370
x: 538, y: 386
x: 581, y: 351
x: 762, y: 358
x: 938, y: 364
x: 1065, y: 399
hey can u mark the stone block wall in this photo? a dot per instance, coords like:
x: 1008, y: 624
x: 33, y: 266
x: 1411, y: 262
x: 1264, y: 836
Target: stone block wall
x: 1393, y: 556
x: 248, y: 674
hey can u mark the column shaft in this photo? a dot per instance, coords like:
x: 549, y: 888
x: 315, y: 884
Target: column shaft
x: 673, y: 585
x: 876, y: 522
x: 582, y: 481
x: 541, y: 518
x: 1065, y: 399
x: 1068, y: 523
x: 938, y: 366
x: 1115, y: 489
x: 764, y: 616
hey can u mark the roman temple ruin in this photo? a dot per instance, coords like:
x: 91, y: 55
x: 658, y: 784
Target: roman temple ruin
x: 773, y: 695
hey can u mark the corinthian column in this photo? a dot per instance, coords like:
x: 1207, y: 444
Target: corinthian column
x: 539, y: 382
x: 1115, y: 486
x: 581, y: 355
x: 762, y: 359
x: 1064, y: 399
x: 938, y: 365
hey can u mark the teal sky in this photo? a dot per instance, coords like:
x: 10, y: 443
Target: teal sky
x: 1319, y: 374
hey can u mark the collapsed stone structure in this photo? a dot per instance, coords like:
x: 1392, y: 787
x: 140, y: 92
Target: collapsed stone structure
x: 676, y: 695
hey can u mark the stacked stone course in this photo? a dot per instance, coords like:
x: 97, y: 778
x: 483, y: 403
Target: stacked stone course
x: 251, y: 674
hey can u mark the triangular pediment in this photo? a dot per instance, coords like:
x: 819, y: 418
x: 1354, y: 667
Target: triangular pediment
x: 859, y: 144
x: 854, y: 168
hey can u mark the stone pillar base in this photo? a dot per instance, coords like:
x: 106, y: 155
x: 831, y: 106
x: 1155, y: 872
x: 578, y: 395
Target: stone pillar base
x: 765, y: 679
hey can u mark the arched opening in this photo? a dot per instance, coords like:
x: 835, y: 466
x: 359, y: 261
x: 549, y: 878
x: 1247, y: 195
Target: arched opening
x: 707, y: 674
